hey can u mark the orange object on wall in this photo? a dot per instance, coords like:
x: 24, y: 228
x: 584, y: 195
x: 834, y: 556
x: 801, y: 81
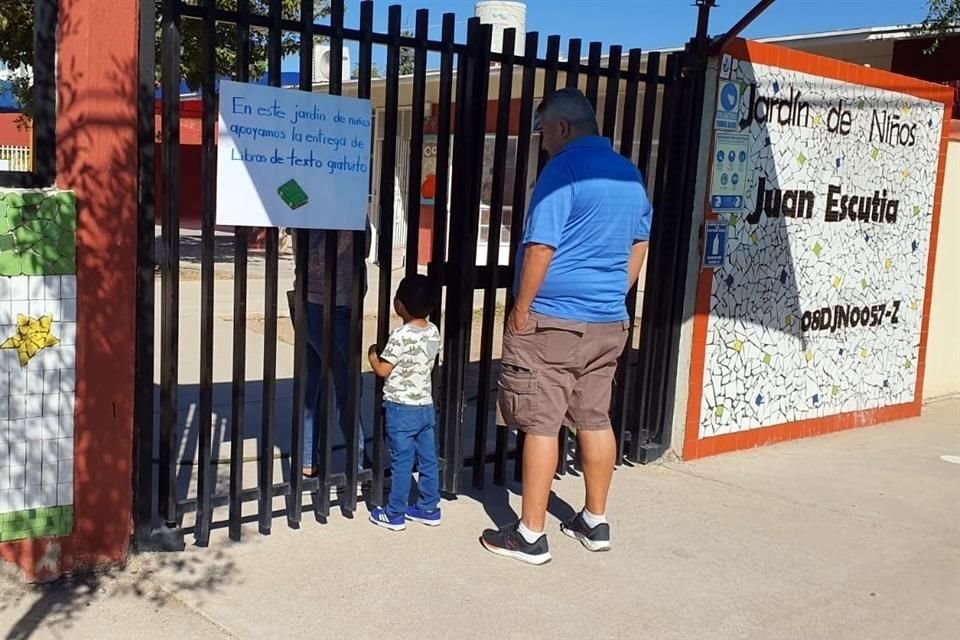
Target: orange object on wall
x: 13, y: 133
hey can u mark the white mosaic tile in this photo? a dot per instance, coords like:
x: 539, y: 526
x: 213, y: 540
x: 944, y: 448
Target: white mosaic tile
x: 37, y: 401
x: 766, y: 361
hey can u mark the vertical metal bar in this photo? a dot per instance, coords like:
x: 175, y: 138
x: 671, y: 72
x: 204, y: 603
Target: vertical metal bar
x: 672, y: 103
x: 593, y: 73
x: 624, y: 370
x: 524, y: 144
x: 694, y: 82
x: 45, y: 91
x: 518, y: 459
x: 563, y: 450
x: 631, y: 399
x: 238, y: 402
x: 327, y: 399
x: 416, y: 141
x: 573, y: 62
x: 650, y: 89
x: 669, y: 145
x: 552, y: 66
x: 143, y: 422
x: 549, y: 86
x: 208, y: 178
x: 301, y: 285
x: 613, y: 92
x: 500, y: 456
x: 359, y: 261
x: 444, y: 111
x: 468, y: 160
x: 493, y: 258
x: 360, y: 238
x: 438, y: 254
x: 452, y: 359
x: 334, y: 87
x: 385, y: 239
x: 271, y: 290
x: 170, y: 271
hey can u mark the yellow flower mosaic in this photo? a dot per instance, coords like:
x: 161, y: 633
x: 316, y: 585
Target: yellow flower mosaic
x: 32, y: 336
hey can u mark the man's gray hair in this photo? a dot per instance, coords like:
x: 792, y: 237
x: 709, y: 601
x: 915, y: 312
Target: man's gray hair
x: 571, y: 105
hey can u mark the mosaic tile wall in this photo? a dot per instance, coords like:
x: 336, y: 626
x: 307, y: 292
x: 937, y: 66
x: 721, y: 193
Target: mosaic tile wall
x: 38, y: 308
x: 817, y: 307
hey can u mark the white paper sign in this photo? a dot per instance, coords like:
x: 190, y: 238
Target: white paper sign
x: 292, y: 159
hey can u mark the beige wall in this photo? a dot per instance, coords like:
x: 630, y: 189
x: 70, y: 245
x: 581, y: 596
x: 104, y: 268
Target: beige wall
x: 942, y: 377
x: 876, y: 53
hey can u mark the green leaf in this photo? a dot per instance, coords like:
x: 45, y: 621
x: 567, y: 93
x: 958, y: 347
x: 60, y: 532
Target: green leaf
x: 50, y: 230
x: 25, y: 237
x: 66, y: 218
x: 9, y: 263
x: 30, y: 212
x: 14, y: 200
x: 48, y: 251
x: 14, y: 217
x: 49, y: 208
x: 67, y: 246
x: 33, y: 198
x: 63, y: 266
x: 67, y: 198
x: 33, y: 265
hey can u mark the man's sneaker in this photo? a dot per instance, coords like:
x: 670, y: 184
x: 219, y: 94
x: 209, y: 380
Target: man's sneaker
x: 429, y: 518
x: 509, y: 543
x: 380, y: 518
x: 595, y: 539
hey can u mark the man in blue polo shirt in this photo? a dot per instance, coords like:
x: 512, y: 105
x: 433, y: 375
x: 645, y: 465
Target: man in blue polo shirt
x: 584, y: 243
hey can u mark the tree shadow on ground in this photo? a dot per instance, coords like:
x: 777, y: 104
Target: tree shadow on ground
x: 61, y: 603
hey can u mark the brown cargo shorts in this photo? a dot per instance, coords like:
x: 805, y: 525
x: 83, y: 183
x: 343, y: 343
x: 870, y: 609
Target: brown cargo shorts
x: 559, y: 372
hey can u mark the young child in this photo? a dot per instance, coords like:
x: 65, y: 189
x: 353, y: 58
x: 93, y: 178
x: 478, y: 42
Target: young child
x: 406, y: 363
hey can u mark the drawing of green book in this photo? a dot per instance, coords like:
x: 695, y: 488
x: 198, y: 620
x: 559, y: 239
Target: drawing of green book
x: 293, y: 194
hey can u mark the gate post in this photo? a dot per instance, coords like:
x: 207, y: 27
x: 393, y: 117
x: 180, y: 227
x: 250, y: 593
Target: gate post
x: 79, y: 516
x: 669, y: 259
x: 473, y: 79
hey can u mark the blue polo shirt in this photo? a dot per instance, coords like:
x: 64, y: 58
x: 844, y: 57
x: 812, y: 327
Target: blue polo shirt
x: 590, y: 205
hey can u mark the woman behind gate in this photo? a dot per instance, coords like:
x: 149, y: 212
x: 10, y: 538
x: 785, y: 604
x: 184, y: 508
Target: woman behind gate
x: 313, y: 398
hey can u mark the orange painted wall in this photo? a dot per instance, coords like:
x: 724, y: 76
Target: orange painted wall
x: 11, y: 133
x: 97, y: 158
x: 693, y: 446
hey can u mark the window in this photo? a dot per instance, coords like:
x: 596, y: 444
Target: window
x: 33, y: 165
x: 486, y: 193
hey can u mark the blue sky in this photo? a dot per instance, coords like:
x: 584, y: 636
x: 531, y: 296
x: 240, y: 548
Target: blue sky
x: 650, y: 24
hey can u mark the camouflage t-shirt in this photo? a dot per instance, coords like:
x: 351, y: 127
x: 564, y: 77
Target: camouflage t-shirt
x: 412, y: 351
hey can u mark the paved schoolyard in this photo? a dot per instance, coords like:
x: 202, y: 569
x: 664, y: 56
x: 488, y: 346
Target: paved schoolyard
x: 850, y: 536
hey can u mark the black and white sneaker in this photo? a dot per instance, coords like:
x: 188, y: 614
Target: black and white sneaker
x: 593, y: 539
x: 508, y: 542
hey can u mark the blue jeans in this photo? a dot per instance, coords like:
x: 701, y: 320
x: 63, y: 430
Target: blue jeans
x: 410, y: 430
x: 341, y: 378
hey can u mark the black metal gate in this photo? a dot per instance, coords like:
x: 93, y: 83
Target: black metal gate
x: 190, y: 456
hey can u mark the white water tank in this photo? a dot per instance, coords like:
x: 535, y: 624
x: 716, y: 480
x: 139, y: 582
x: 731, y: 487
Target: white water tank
x: 321, y: 63
x: 503, y: 14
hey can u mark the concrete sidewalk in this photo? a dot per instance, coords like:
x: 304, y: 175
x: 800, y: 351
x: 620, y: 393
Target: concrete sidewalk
x: 850, y: 536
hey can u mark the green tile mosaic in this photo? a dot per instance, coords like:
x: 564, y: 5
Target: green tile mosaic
x: 36, y: 523
x: 38, y: 233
